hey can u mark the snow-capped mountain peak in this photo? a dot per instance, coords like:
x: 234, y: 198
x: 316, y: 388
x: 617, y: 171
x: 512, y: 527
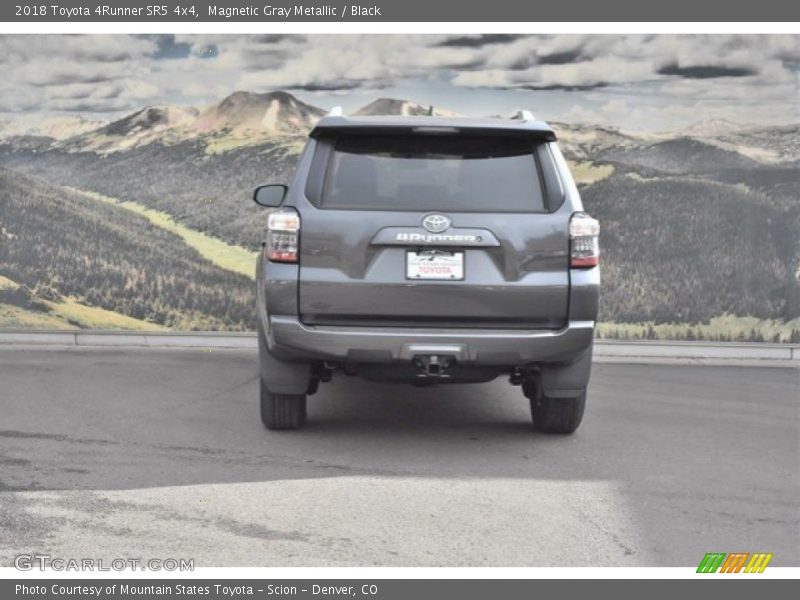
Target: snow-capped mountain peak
x: 59, y: 127
x: 249, y: 113
x: 712, y: 128
x: 405, y: 108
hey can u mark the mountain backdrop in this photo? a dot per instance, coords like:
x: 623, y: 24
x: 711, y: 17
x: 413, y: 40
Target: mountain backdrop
x: 146, y: 221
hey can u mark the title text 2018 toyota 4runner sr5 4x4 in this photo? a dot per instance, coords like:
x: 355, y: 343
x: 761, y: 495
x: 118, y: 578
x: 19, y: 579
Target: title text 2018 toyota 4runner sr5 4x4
x: 428, y: 250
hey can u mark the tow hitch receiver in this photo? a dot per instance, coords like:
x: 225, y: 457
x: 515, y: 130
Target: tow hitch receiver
x: 433, y: 365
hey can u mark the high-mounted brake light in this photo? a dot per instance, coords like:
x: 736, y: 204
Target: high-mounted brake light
x: 436, y: 130
x: 283, y: 236
x: 584, y: 245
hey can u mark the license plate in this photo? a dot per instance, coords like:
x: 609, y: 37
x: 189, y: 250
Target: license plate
x: 435, y: 265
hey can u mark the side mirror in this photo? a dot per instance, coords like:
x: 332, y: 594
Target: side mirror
x: 271, y: 195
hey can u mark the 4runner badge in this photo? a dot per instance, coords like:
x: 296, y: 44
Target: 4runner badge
x: 436, y: 223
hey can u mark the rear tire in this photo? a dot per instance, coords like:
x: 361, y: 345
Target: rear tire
x: 282, y: 411
x: 556, y: 415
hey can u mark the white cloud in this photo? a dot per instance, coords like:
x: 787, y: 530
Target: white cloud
x: 73, y: 72
x: 590, y: 73
x: 86, y: 73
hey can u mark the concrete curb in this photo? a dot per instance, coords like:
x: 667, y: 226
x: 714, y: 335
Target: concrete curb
x: 610, y: 350
x: 698, y: 350
x: 128, y: 339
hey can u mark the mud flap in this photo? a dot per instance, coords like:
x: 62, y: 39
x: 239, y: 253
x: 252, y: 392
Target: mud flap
x: 280, y: 376
x: 567, y: 380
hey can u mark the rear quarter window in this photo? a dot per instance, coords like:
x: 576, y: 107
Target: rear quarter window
x: 424, y: 173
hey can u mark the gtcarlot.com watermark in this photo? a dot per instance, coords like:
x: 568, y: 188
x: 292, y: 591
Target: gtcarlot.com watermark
x: 44, y: 562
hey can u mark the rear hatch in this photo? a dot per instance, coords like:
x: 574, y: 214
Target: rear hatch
x: 455, y: 230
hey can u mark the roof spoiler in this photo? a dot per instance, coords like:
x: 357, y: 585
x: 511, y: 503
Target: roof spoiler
x: 519, y: 115
x: 521, y: 123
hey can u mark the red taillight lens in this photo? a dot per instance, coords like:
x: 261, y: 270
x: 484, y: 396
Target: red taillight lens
x: 283, y: 236
x: 584, y: 246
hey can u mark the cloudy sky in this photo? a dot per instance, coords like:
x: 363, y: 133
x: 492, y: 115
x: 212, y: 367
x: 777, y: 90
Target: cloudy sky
x: 650, y: 82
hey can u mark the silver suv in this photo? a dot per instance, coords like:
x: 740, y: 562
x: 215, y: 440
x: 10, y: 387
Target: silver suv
x: 428, y: 250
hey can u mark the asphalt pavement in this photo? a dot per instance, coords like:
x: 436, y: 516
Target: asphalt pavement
x: 161, y: 454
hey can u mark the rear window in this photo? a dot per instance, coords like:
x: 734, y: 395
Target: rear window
x: 458, y: 173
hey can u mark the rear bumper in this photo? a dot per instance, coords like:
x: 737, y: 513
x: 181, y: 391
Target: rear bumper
x: 289, y: 338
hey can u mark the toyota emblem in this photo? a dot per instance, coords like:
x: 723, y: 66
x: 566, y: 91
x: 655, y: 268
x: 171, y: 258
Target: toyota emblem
x: 436, y: 223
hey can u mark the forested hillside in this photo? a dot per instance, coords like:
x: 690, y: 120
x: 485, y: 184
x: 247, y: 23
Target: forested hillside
x: 208, y: 192
x: 62, y: 245
x: 687, y: 250
x: 680, y: 156
x: 695, y: 227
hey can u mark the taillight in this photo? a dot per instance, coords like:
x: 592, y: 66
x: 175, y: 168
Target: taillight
x: 283, y: 236
x: 584, y: 247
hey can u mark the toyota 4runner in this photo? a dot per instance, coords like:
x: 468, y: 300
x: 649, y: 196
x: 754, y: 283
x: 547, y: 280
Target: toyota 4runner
x: 428, y: 250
